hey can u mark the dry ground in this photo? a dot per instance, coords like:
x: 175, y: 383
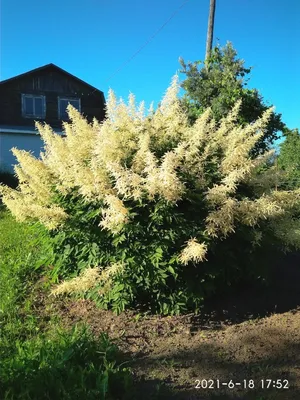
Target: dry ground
x: 254, y: 334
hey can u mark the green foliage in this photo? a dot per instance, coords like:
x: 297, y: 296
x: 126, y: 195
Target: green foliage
x: 25, y: 249
x: 152, y: 212
x: 219, y: 84
x: 289, y: 159
x: 153, y: 278
x: 76, y: 246
x: 56, y: 363
x: 64, y: 365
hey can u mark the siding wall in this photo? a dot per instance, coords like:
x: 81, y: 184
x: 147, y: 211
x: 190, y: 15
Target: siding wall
x: 29, y: 142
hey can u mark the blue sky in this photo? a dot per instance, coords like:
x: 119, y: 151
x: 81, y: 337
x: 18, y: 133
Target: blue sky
x: 92, y: 39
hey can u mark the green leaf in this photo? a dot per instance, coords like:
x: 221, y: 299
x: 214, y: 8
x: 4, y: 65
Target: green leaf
x: 171, y: 269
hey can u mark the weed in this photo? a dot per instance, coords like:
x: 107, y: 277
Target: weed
x: 63, y: 365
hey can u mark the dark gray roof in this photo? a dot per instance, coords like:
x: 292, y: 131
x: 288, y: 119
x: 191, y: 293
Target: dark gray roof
x: 51, y: 66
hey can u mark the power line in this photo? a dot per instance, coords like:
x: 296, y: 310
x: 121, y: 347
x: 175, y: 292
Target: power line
x: 146, y: 43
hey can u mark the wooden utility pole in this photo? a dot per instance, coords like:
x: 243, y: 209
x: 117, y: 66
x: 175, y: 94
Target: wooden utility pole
x: 210, y: 29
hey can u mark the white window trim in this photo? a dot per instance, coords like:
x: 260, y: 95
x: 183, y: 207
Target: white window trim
x: 24, y: 115
x: 67, y: 99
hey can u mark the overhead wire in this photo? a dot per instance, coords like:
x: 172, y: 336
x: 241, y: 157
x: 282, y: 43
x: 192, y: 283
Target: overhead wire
x: 146, y: 43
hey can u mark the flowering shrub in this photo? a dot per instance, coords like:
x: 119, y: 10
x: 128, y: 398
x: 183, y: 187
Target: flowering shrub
x: 140, y: 204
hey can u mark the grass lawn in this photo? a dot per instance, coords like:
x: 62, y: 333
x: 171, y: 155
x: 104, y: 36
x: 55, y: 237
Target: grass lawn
x: 39, y: 358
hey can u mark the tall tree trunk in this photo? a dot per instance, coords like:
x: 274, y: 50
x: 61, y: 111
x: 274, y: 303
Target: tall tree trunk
x: 210, y: 29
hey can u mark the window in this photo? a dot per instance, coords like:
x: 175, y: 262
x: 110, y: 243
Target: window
x: 33, y: 106
x: 63, y: 104
x: 36, y: 83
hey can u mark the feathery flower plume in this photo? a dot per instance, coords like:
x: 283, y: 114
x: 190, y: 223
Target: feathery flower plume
x: 81, y: 284
x: 115, y: 215
x: 220, y: 222
x: 194, y: 251
x: 170, y: 186
x: 88, y: 279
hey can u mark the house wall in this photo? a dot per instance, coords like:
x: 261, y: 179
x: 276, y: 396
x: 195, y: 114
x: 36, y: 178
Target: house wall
x: 52, y: 84
x: 29, y: 142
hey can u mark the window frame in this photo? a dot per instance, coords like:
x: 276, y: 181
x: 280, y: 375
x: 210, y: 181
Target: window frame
x: 33, y: 96
x: 69, y: 99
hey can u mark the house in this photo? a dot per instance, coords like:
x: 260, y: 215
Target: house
x: 41, y: 95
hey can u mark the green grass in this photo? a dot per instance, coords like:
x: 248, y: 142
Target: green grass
x: 24, y: 250
x: 39, y: 361
x: 63, y: 364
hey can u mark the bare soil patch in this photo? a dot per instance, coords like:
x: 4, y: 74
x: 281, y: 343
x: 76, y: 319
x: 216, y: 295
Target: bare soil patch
x: 251, y: 335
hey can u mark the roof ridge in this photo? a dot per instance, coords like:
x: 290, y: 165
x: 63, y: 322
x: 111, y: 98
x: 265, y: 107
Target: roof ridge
x: 48, y: 66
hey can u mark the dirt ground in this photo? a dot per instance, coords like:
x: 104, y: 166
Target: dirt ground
x: 248, y: 338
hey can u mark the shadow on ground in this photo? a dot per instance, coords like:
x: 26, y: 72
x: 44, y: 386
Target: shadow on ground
x: 281, y: 295
x: 247, y: 358
x: 233, y: 340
